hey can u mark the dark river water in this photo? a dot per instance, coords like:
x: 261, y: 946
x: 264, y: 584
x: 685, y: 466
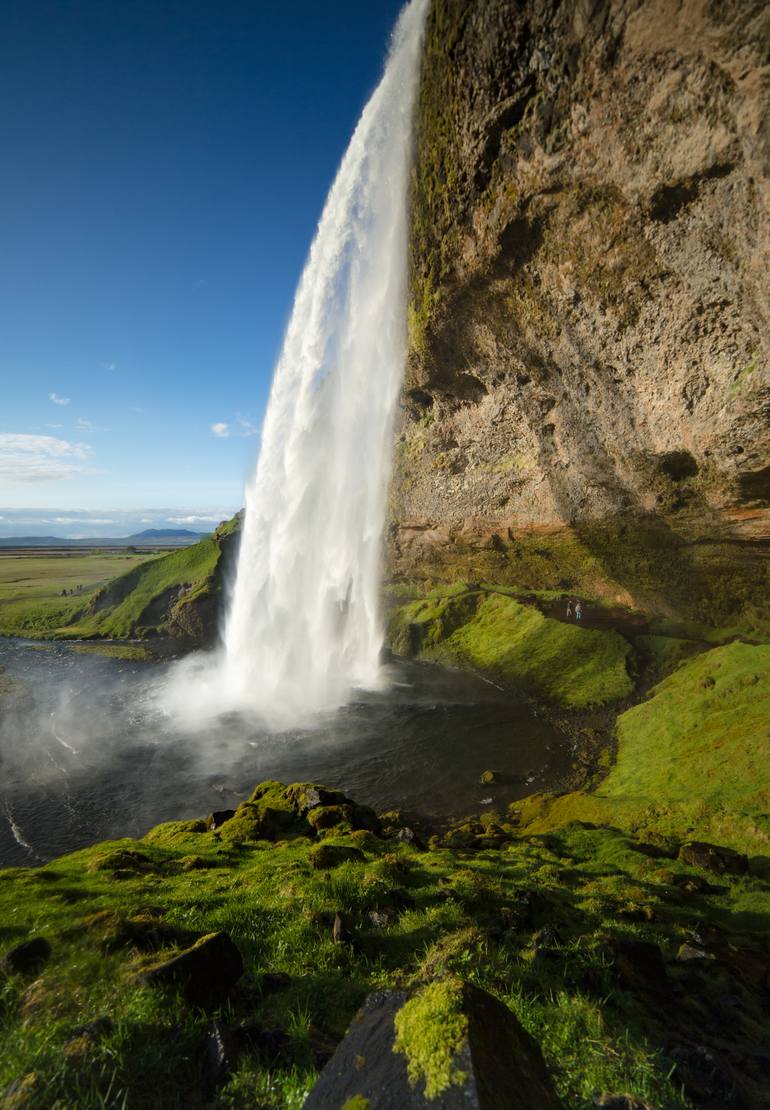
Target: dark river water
x: 97, y: 758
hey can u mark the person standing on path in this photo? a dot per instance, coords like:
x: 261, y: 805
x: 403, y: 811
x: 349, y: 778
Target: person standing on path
x: 569, y: 608
x: 578, y: 610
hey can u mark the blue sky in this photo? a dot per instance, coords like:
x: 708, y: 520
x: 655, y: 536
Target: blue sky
x: 164, y: 167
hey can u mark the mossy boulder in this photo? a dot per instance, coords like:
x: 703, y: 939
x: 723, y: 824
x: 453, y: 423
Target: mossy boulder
x: 171, y: 832
x: 275, y: 811
x: 204, y: 973
x: 324, y: 857
x: 355, y: 816
x: 124, y: 860
x: 450, y: 1046
x: 496, y: 634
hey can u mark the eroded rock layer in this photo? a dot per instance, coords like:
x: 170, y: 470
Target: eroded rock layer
x: 587, y: 400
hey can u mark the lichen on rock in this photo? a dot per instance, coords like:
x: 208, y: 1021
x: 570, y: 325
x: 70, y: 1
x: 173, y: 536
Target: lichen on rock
x: 430, y: 1030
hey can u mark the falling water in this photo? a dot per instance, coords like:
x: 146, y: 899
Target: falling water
x: 304, y: 624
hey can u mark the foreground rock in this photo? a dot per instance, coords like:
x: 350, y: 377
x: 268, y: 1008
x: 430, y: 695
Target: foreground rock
x: 713, y: 857
x: 204, y: 973
x: 275, y: 811
x: 450, y: 1046
x: 26, y: 958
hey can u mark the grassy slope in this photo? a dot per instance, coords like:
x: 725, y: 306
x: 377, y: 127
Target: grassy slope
x: 574, y: 667
x: 115, y: 607
x: 595, y: 1037
x: 693, y: 756
x: 133, y: 593
x: 30, y: 588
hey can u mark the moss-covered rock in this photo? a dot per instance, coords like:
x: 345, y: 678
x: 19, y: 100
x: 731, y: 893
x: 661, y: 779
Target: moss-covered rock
x: 430, y: 1030
x: 690, y: 756
x: 324, y: 857
x: 488, y: 631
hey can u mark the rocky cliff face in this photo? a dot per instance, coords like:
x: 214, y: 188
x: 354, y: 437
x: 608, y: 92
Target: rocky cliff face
x: 587, y: 401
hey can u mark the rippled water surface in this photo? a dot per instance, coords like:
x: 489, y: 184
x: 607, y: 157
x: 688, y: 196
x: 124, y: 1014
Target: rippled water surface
x: 96, y: 757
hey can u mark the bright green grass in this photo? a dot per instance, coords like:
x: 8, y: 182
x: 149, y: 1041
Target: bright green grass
x: 31, y: 601
x: 36, y: 576
x: 126, y: 605
x: 563, y: 663
x: 694, y: 755
x: 279, y: 911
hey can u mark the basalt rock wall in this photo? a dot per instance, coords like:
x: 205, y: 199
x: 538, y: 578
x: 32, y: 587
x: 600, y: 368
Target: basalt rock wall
x: 587, y: 398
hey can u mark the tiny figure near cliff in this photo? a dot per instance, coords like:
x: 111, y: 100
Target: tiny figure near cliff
x: 569, y: 608
x: 578, y: 610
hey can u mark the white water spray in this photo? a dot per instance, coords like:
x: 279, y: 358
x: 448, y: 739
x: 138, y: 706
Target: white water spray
x: 304, y: 624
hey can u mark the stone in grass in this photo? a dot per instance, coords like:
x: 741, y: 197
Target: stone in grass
x: 450, y: 1046
x: 325, y: 856
x: 638, y: 965
x: 204, y: 973
x: 713, y: 857
x: 26, y: 958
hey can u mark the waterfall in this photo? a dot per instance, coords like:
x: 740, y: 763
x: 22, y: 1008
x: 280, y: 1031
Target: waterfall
x: 303, y: 627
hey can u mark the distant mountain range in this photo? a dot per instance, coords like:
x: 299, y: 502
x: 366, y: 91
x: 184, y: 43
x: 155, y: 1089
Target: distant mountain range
x: 151, y: 537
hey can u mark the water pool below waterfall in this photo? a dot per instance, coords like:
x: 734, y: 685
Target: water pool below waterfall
x: 96, y: 758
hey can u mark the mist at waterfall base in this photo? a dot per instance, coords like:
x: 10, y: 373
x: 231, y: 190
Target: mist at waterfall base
x: 95, y: 757
x: 304, y: 627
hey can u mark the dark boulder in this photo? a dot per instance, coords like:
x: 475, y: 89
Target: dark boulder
x: 273, y: 1045
x: 713, y: 857
x: 638, y: 965
x: 26, y: 958
x: 496, y: 1065
x: 341, y: 931
x: 204, y: 973
x: 409, y: 836
x: 272, y: 982
x: 216, y: 819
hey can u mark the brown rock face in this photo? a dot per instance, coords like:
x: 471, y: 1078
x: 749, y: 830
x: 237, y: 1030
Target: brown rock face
x: 589, y: 313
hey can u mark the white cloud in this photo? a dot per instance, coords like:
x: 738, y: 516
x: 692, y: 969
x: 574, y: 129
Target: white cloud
x: 195, y: 518
x: 84, y: 425
x: 108, y: 365
x: 244, y: 429
x: 30, y: 458
x: 82, y: 520
x: 57, y: 400
x: 247, y: 428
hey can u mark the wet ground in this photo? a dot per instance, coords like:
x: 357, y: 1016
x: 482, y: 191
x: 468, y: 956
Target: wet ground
x: 97, y: 757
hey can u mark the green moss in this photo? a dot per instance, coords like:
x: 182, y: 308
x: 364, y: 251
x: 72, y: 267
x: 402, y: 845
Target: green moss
x: 563, y: 663
x: 357, y: 1102
x: 743, y: 375
x: 693, y: 756
x: 110, y: 909
x: 172, y: 832
x: 430, y: 1030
